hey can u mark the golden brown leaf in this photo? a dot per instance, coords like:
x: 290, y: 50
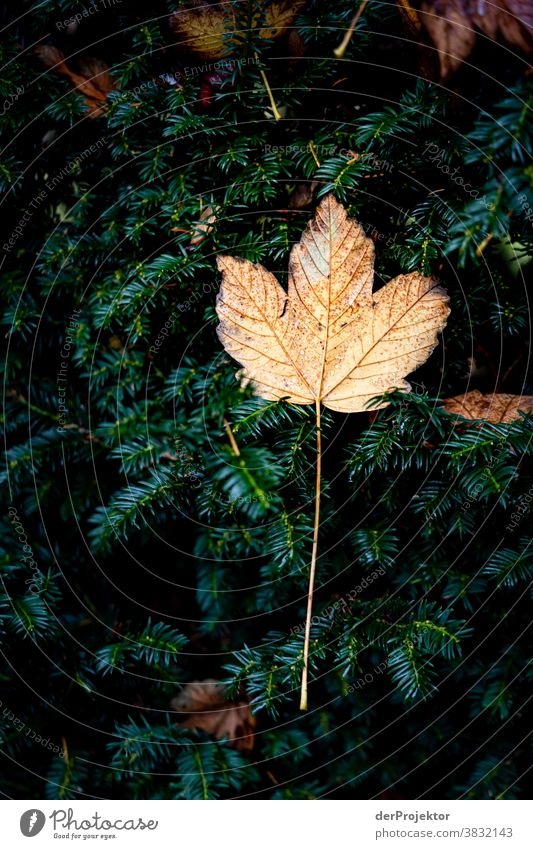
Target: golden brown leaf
x: 279, y: 16
x: 93, y: 80
x: 209, y: 710
x: 209, y: 31
x: 497, y: 407
x: 203, y: 29
x: 329, y: 339
x: 454, y: 25
x: 410, y: 16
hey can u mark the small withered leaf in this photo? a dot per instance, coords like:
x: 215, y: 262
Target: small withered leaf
x: 329, y: 339
x: 92, y: 80
x: 205, y: 225
x: 208, y: 709
x: 497, y: 407
x: 202, y: 29
x: 454, y: 26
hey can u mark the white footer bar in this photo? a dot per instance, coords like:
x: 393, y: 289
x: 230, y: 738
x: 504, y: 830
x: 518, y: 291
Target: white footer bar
x: 268, y: 824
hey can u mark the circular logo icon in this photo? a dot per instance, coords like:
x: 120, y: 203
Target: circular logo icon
x: 32, y: 822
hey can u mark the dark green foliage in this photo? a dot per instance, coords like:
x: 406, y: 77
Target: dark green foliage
x: 140, y: 551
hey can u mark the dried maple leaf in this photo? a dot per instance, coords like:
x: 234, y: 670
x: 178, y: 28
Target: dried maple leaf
x: 498, y: 407
x: 93, y: 81
x: 329, y: 340
x: 209, y: 710
x: 453, y: 26
x: 209, y: 31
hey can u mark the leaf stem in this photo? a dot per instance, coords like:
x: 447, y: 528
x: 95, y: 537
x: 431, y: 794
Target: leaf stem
x: 275, y: 112
x: 303, y: 693
x: 233, y: 441
x: 313, y: 154
x: 341, y: 49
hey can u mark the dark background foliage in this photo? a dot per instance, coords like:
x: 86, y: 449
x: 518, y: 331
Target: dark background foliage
x: 158, y: 557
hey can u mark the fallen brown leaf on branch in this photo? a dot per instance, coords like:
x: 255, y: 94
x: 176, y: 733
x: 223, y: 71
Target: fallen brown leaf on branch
x: 330, y: 340
x: 453, y: 26
x: 210, y: 32
x: 493, y: 407
x: 205, y: 225
x: 209, y: 710
x: 93, y: 80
